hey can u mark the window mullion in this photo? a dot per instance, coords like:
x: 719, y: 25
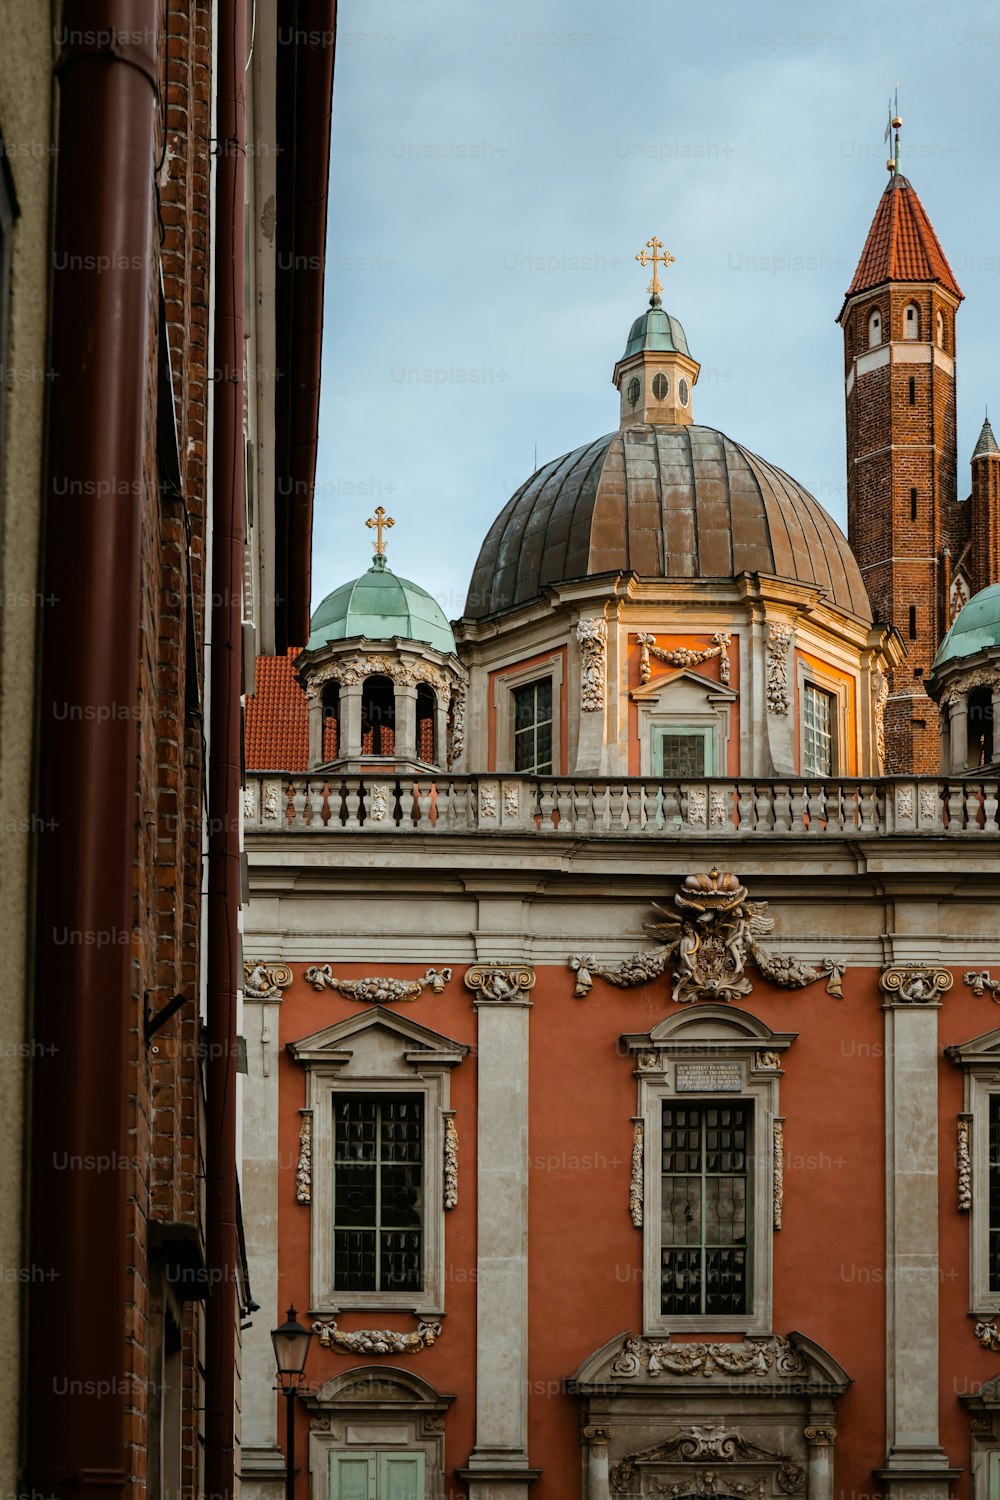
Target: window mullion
x: 378, y: 1195
x: 704, y: 1209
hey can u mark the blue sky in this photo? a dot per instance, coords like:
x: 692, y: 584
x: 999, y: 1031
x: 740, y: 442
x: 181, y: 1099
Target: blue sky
x: 497, y: 166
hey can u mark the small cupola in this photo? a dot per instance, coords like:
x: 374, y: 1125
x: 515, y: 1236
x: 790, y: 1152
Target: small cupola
x: 656, y: 375
x: 381, y: 675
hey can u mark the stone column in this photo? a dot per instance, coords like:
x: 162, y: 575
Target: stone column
x: 958, y: 721
x: 441, y: 728
x: 315, y: 729
x: 498, y: 1466
x: 406, y: 721
x: 350, y: 720
x: 262, y: 1460
x: 916, y: 1465
x: 819, y: 1482
x: 598, y: 1483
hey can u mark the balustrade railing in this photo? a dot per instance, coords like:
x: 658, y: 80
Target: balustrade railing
x: 631, y: 808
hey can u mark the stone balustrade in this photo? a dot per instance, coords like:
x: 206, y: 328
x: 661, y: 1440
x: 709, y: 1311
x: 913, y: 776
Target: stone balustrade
x: 543, y: 806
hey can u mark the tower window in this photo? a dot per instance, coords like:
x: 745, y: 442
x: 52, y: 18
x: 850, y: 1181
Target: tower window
x: 911, y: 323
x: 331, y: 720
x: 426, y: 724
x: 913, y: 505
x: 940, y: 330
x: 533, y: 727
x: 913, y: 622
x: 683, y: 392
x: 980, y: 722
x: 913, y: 391
x: 875, y: 329
x: 661, y: 386
x: 634, y: 389
x: 817, y: 724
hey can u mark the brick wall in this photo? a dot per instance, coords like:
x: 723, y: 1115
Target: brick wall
x: 902, y: 504
x: 166, y: 1097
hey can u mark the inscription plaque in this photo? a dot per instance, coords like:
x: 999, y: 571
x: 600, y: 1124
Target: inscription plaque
x: 709, y: 1078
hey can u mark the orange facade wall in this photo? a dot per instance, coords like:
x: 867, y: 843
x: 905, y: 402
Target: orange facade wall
x: 585, y: 1258
x: 850, y: 758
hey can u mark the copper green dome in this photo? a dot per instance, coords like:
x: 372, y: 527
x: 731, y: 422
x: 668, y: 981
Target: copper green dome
x: 380, y: 606
x: 975, y: 628
x: 657, y: 331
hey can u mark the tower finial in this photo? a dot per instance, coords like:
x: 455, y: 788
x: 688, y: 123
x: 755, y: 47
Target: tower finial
x: 651, y: 256
x: 895, y: 123
x: 379, y: 522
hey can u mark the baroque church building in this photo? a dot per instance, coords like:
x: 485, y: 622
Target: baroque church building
x: 623, y: 1095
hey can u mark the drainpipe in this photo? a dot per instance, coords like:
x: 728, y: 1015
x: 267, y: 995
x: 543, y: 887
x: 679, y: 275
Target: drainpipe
x: 101, y: 291
x: 223, y: 978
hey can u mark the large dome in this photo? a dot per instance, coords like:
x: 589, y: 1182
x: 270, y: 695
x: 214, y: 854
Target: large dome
x: 663, y: 502
x: 380, y: 606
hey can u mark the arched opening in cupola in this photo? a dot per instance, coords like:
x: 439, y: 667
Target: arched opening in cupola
x: 331, y: 720
x: 378, y: 716
x: 426, y: 724
x: 980, y: 727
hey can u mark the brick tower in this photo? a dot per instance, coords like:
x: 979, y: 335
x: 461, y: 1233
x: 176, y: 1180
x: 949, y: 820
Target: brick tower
x: 904, y: 522
x: 985, y: 507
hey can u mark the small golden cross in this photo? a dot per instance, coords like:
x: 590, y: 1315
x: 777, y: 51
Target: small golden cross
x: 656, y: 260
x: 381, y: 522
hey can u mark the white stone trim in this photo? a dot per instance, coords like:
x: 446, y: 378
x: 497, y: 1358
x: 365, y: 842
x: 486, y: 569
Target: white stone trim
x: 504, y: 683
x: 378, y: 1053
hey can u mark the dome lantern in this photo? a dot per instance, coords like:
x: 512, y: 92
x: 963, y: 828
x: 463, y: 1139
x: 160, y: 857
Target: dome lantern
x: 656, y: 375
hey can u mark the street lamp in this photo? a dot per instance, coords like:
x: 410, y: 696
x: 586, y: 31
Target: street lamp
x: 291, y: 1345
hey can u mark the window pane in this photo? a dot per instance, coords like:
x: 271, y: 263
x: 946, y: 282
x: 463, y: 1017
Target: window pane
x: 378, y: 1192
x: 705, y: 1208
x: 817, y: 719
x: 683, y: 755
x: 533, y: 727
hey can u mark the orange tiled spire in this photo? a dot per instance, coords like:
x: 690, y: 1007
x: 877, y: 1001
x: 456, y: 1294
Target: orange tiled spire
x: 901, y: 244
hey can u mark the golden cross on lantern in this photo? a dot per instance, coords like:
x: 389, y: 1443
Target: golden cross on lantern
x: 381, y: 522
x: 655, y: 259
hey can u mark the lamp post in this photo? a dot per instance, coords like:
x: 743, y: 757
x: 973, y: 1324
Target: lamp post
x: 291, y: 1345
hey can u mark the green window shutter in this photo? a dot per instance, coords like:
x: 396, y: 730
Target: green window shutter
x: 400, y: 1476
x: 352, y: 1476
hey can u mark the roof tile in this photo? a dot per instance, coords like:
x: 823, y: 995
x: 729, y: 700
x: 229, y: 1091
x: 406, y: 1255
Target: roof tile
x: 277, y: 717
x: 901, y: 244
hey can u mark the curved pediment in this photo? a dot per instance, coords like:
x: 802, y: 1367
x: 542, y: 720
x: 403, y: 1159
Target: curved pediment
x: 377, y: 1385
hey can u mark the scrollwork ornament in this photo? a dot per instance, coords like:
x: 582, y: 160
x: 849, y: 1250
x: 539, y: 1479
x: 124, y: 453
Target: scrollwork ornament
x: 914, y: 984
x: 377, y: 990
x: 963, y: 1163
x: 981, y: 984
x: 684, y: 656
x: 592, y: 638
x: 303, y: 1167
x: 456, y: 711
x: 880, y: 696
x: 660, y: 1357
x: 450, y: 1162
x: 635, y: 1190
x: 503, y: 983
x: 265, y: 981
x: 375, y: 1341
x: 778, y: 1191
x: 988, y: 1335
x: 820, y: 1437
x: 779, y: 640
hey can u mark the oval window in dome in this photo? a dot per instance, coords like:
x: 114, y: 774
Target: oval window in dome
x: 633, y: 391
x: 683, y: 392
x: 661, y: 386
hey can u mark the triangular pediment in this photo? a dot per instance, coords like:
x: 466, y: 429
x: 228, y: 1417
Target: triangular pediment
x: 338, y: 1042
x: 979, y: 1052
x: 684, y: 683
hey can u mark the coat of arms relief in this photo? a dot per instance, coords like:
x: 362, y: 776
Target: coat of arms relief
x: 710, y: 940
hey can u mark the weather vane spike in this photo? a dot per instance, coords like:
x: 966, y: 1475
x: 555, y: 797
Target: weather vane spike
x: 652, y: 256
x: 380, y: 522
x: 896, y: 124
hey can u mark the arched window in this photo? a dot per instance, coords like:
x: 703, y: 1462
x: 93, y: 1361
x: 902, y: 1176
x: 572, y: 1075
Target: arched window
x: 875, y: 329
x: 378, y: 716
x: 426, y: 724
x: 911, y: 321
x: 980, y: 728
x: 940, y: 330
x: 331, y: 720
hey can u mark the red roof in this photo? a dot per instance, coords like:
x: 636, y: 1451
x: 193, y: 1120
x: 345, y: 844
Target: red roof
x: 901, y: 244
x: 277, y: 717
